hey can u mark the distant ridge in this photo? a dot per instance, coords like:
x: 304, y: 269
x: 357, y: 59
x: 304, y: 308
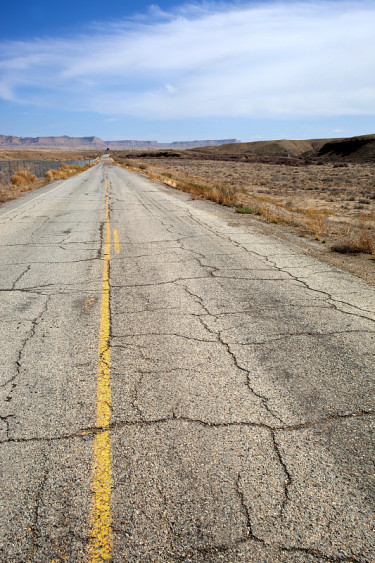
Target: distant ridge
x: 66, y: 142
x: 354, y: 149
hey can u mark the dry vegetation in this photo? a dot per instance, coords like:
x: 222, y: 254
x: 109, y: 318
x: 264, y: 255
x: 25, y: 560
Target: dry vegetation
x: 23, y: 180
x: 333, y: 202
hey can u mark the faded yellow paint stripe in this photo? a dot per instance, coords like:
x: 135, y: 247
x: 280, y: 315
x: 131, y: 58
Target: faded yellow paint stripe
x: 101, y: 532
x: 100, y: 548
x: 116, y: 241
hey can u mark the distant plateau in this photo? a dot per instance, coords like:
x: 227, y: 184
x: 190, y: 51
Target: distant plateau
x: 66, y: 142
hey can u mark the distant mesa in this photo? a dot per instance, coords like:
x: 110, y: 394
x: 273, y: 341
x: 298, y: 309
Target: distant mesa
x: 352, y: 149
x: 65, y: 142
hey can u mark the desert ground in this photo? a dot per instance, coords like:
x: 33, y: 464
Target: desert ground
x: 330, y: 205
x: 346, y: 191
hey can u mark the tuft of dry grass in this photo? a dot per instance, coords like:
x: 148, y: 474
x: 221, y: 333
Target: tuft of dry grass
x: 24, y: 179
x: 365, y: 236
x: 360, y: 238
x: 316, y: 222
x: 65, y: 171
x: 270, y: 214
x: 7, y: 193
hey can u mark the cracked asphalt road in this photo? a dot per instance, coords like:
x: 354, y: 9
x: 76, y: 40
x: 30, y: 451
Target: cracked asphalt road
x: 242, y: 379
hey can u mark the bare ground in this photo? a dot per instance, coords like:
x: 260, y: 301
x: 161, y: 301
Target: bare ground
x: 346, y: 190
x: 329, y: 205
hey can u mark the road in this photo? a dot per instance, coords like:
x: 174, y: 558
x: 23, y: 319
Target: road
x: 176, y: 385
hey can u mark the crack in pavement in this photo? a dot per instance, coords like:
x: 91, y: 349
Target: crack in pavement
x: 320, y: 556
x: 19, y: 277
x: 302, y: 333
x: 30, y: 334
x: 250, y: 536
x: 91, y: 431
x: 160, y: 333
x: 264, y: 400
x: 288, y: 477
x: 334, y: 301
x: 156, y: 284
x: 245, y: 511
x: 134, y: 401
x: 5, y: 419
x: 43, y: 244
x: 35, y: 288
x: 46, y: 263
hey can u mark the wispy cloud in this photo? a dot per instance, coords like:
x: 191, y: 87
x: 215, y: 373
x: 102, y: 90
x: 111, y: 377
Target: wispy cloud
x: 284, y: 59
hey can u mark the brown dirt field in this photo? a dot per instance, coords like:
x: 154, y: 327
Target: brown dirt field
x: 332, y: 203
x: 347, y: 190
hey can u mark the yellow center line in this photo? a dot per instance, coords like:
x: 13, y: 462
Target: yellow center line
x: 116, y: 241
x: 100, y: 548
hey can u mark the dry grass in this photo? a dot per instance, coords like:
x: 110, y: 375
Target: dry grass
x: 65, y: 171
x: 317, y: 222
x: 360, y: 237
x: 7, y: 193
x: 330, y: 201
x: 23, y: 180
x: 223, y: 194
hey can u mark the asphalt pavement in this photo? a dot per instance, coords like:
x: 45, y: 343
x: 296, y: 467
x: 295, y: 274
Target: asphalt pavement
x: 177, y: 386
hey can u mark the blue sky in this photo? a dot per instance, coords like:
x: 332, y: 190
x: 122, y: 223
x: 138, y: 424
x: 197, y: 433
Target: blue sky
x: 181, y: 71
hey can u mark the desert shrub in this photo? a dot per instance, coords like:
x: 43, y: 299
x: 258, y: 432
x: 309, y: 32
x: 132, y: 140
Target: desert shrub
x: 8, y: 192
x: 346, y: 248
x: 316, y: 221
x: 54, y: 174
x: 64, y: 171
x: 365, y: 236
x: 360, y: 238
x: 23, y: 178
x: 271, y: 213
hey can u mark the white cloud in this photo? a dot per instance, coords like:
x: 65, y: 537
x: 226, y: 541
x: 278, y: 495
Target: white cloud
x: 283, y: 59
